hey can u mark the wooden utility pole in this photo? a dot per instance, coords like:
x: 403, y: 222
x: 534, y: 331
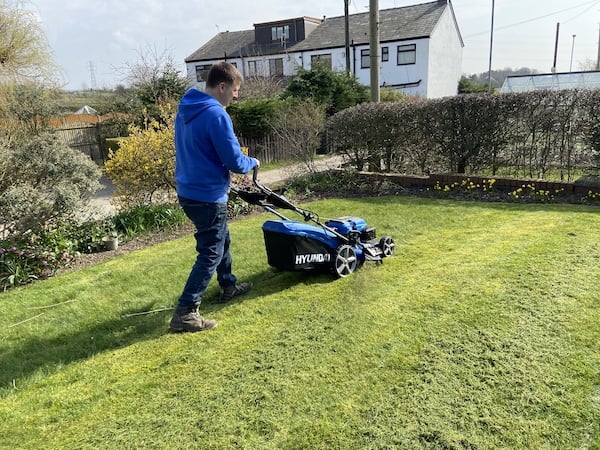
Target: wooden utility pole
x: 347, y: 35
x: 491, y: 48
x: 374, y: 48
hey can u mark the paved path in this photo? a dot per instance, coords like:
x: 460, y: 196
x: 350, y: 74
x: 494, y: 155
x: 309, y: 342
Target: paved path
x: 101, y: 201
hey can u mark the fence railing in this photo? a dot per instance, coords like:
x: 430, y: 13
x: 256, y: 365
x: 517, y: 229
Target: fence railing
x: 267, y: 149
x: 85, y: 138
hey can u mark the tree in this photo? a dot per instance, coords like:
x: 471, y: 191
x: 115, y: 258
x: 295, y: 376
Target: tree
x: 498, y: 76
x: 26, y: 109
x: 336, y: 91
x: 258, y: 88
x: 154, y: 81
x: 24, y: 51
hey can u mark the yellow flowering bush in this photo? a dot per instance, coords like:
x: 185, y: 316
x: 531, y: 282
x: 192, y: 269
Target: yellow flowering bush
x: 143, y: 167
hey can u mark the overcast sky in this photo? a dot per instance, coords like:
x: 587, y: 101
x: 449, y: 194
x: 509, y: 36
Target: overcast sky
x: 100, y: 36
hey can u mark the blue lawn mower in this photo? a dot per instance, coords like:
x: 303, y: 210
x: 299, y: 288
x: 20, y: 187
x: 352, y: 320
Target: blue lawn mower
x: 339, y: 245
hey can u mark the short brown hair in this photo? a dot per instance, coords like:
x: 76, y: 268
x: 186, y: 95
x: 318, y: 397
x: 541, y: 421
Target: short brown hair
x: 223, y: 72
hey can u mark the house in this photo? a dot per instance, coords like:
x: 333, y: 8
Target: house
x: 420, y: 48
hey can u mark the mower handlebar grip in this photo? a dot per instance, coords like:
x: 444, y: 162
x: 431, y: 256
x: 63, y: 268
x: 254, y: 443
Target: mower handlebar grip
x: 254, y: 174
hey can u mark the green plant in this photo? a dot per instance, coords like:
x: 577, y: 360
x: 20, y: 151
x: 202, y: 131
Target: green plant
x: 145, y: 218
x: 21, y: 263
x: 252, y: 118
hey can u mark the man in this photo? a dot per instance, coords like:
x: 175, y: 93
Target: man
x: 206, y: 150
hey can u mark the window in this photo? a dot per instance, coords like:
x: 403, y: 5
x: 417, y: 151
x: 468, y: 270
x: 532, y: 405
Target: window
x: 324, y: 60
x: 280, y: 33
x: 255, y: 68
x: 385, y: 54
x: 365, y: 59
x: 276, y: 67
x: 202, y: 72
x: 407, y: 54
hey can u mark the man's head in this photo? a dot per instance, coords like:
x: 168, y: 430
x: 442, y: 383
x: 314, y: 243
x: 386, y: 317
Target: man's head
x: 223, y: 82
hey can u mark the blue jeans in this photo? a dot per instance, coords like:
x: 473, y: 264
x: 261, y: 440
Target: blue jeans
x: 212, y: 245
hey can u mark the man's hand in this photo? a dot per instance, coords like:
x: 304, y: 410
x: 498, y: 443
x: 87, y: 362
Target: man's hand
x: 257, y: 162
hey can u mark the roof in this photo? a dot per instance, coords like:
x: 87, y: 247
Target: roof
x: 553, y: 81
x: 85, y: 109
x: 225, y: 43
x: 408, y: 22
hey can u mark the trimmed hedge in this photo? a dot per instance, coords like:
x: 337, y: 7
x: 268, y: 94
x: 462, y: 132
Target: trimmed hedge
x: 525, y: 134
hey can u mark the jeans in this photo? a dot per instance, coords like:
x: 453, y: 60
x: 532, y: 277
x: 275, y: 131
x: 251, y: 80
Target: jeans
x: 212, y: 245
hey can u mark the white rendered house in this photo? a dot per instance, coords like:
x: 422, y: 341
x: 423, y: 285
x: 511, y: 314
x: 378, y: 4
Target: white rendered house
x: 420, y: 48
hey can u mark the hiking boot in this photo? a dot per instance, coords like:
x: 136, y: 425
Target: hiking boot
x: 234, y: 291
x: 186, y: 318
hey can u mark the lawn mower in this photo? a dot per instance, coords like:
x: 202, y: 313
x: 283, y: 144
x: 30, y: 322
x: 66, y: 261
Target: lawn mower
x: 339, y: 245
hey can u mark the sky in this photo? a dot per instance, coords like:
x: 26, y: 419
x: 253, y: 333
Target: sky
x: 94, y: 41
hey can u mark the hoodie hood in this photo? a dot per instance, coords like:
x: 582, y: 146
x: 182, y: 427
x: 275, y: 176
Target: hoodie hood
x: 194, y: 103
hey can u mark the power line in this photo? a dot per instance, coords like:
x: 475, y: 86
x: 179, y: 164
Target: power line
x: 533, y: 19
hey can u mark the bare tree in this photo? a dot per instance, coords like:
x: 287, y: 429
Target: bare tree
x: 300, y: 124
x: 153, y: 80
x: 261, y: 87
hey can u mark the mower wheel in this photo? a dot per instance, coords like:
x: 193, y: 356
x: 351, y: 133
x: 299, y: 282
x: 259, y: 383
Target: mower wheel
x: 387, y: 245
x: 345, y: 261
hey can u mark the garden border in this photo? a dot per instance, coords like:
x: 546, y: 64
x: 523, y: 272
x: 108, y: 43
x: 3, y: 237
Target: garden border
x: 501, y: 183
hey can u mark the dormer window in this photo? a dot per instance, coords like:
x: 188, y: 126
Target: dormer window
x: 280, y: 33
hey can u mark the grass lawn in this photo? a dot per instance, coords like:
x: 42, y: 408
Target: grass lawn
x: 481, y: 332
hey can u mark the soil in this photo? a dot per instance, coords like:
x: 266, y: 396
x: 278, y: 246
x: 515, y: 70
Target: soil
x: 137, y: 243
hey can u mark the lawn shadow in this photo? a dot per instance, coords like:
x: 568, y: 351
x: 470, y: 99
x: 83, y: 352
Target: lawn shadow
x: 46, y: 353
x: 269, y: 282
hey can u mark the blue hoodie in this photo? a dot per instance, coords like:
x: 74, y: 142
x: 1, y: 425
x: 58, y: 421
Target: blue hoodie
x: 206, y: 149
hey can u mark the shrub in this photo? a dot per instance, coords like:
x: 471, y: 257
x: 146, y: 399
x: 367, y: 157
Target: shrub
x: 43, y: 180
x: 144, y: 164
x: 251, y: 118
x: 335, y: 90
x: 528, y: 134
x: 38, y: 256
